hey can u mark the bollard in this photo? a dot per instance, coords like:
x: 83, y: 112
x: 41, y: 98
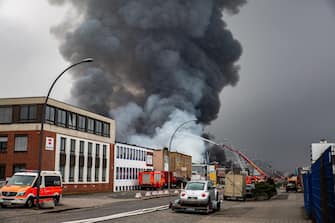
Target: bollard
x: 138, y: 195
x: 160, y: 192
x: 176, y: 192
x: 147, y: 194
x: 166, y: 192
x: 154, y: 193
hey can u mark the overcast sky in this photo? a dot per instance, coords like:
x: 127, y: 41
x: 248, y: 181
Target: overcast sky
x: 282, y: 103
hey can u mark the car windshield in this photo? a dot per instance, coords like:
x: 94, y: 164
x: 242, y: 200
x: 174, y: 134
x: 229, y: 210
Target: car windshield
x: 195, y: 186
x: 21, y: 180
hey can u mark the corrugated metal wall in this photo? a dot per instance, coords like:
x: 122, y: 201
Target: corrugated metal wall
x: 319, y: 189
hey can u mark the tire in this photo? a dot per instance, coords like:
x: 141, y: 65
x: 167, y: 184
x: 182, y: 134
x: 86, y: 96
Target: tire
x: 218, y: 207
x: 209, y: 206
x: 29, y: 203
x: 56, y: 200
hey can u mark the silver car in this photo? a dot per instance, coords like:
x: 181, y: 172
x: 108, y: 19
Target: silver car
x: 199, y: 193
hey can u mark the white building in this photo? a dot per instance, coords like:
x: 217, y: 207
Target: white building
x: 129, y: 160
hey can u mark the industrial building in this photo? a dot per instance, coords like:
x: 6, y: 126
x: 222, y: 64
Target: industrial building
x: 129, y: 160
x: 181, y: 164
x: 76, y: 142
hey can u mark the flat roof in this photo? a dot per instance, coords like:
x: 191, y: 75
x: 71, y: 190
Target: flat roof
x: 53, y: 102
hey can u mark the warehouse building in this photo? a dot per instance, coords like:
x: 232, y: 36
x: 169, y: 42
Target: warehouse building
x: 181, y: 164
x: 76, y: 142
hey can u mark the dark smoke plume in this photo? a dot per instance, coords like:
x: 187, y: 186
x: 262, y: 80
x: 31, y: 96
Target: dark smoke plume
x: 154, y: 59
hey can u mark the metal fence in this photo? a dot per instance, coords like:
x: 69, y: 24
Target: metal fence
x: 319, y: 190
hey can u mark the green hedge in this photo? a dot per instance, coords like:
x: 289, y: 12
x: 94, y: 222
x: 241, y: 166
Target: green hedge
x: 264, y: 189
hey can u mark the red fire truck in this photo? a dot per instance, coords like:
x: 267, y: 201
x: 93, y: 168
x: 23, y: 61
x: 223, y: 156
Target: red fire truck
x: 155, y: 179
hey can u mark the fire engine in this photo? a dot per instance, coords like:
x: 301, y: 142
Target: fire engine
x: 155, y: 179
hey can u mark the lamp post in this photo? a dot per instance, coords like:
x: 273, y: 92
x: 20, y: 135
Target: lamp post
x: 40, y: 152
x: 169, y: 150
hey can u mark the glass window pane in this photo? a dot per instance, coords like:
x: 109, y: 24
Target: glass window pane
x: 21, y: 143
x: 6, y: 114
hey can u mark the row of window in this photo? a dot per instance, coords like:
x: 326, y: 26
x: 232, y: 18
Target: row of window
x: 20, y: 143
x: 75, y: 121
x: 82, y: 147
x: 80, y: 165
x: 127, y: 188
x: 130, y: 153
x: 127, y: 173
x: 27, y: 113
x: 57, y: 116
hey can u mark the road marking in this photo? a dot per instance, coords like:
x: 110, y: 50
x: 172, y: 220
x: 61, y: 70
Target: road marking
x: 121, y: 215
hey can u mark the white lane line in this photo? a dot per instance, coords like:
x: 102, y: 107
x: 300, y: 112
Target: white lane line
x: 120, y: 215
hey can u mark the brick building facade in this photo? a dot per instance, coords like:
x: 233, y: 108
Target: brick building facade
x: 76, y: 142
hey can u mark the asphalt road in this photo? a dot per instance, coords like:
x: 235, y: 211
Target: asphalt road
x: 285, y: 208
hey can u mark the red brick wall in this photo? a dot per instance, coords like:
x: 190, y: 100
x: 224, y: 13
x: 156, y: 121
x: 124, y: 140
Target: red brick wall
x: 29, y: 157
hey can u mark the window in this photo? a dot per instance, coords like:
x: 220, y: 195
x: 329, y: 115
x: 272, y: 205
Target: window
x: 62, y: 144
x: 105, y: 129
x: 71, y: 178
x: 98, y: 127
x: 104, y: 162
x: 50, y: 114
x: 127, y: 153
x: 73, y: 146
x: 18, y: 167
x: 61, y: 117
x: 96, y: 177
x: 104, y: 151
x: 80, y: 174
x: 117, y: 152
x: 6, y: 114
x: 62, y: 171
x: 21, y: 143
x: 28, y: 112
x: 89, y: 174
x: 90, y: 149
x: 2, y: 172
x: 81, y: 123
x: 131, y: 154
x: 90, y: 125
x: 3, y: 144
x: 71, y: 120
x: 117, y: 173
x: 97, y: 150
x: 52, y: 181
x: 121, y: 152
x: 81, y: 147
x: 81, y: 161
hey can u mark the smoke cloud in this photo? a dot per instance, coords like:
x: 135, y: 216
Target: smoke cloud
x: 157, y: 64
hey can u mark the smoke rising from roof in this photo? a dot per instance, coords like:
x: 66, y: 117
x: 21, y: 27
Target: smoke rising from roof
x: 157, y: 63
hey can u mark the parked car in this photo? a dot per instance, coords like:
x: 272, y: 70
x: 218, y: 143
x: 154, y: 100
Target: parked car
x: 199, y: 196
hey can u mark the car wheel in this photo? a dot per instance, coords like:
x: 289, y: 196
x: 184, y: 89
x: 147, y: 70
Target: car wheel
x: 30, y: 202
x: 209, y: 206
x: 56, y: 200
x: 218, y: 205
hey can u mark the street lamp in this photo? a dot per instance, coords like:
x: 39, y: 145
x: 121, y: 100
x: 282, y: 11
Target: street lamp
x: 169, y: 150
x: 40, y: 152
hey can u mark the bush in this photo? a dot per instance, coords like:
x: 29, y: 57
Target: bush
x: 264, y: 189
